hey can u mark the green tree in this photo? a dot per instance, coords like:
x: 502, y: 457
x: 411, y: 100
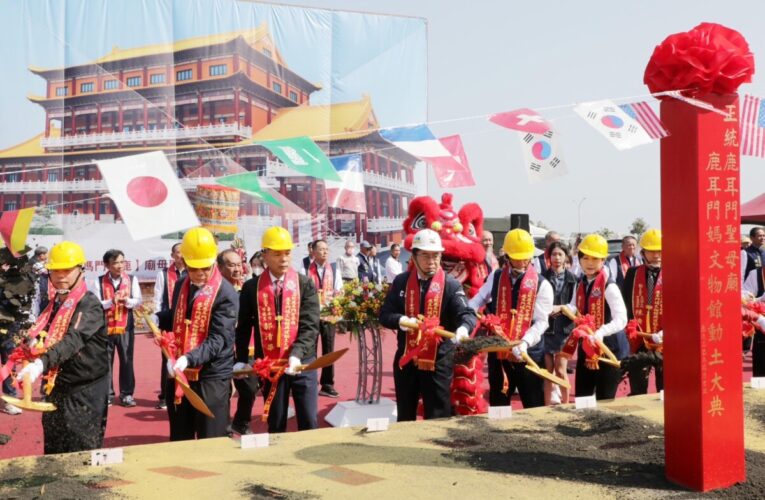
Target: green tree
x: 638, y: 227
x: 606, y: 233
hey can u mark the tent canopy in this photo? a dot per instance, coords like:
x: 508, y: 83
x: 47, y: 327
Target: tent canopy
x: 753, y: 211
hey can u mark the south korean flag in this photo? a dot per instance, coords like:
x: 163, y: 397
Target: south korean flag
x: 542, y: 158
x: 614, y: 124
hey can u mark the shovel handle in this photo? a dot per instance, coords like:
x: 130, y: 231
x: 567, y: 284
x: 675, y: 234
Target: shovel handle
x: 415, y: 325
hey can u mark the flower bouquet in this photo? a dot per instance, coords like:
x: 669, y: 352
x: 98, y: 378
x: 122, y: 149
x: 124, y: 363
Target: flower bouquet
x: 356, y: 306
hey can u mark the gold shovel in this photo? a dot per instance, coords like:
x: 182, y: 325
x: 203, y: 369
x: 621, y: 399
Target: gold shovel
x: 26, y: 403
x: 194, y: 399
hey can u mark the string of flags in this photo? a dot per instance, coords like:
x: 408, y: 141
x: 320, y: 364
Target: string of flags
x: 145, y: 187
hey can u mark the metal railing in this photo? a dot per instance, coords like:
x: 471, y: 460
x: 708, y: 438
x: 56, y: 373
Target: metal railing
x: 148, y: 135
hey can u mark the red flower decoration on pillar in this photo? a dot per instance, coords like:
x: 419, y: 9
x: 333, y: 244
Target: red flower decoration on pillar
x: 709, y: 59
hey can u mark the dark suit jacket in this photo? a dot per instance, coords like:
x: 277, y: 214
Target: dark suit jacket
x: 304, y: 346
x: 216, y: 354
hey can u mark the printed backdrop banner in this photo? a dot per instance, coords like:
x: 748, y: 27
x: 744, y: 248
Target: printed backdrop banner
x: 208, y: 82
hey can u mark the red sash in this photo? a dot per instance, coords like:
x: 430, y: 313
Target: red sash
x: 190, y: 333
x: 278, y: 329
x: 325, y: 286
x: 516, y: 320
x: 58, y: 326
x: 172, y: 279
x: 117, y: 316
x: 595, y: 310
x: 647, y: 316
x: 426, y: 356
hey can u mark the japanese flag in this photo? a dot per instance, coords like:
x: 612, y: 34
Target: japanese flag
x: 148, y: 195
x: 614, y: 124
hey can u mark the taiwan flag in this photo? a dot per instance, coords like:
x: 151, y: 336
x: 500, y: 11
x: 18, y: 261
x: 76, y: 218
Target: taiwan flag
x: 347, y: 194
x: 148, y: 195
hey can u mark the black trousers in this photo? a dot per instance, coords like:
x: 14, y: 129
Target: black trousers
x: 124, y: 345
x: 433, y: 386
x: 163, y: 379
x: 187, y: 423
x: 6, y: 348
x: 247, y: 390
x: 639, y: 377
x: 79, y: 422
x: 758, y: 354
x: 327, y: 336
x: 305, y: 394
x: 602, y: 382
x: 530, y: 386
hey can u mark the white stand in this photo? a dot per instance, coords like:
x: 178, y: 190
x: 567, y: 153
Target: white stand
x: 351, y: 413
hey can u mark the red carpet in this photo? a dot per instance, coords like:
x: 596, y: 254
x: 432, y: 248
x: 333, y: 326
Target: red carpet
x: 143, y: 424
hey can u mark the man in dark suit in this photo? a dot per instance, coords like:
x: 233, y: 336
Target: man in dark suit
x: 429, y: 375
x: 308, y: 258
x: 281, y: 307
x: 202, y: 318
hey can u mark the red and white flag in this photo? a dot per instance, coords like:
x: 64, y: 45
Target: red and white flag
x: 642, y: 113
x: 148, y: 195
x: 523, y: 120
x: 752, y: 126
x: 453, y: 171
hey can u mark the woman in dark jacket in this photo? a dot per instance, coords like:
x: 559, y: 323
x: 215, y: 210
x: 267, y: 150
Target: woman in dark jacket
x: 563, y: 282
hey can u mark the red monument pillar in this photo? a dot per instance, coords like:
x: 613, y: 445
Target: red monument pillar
x: 703, y: 404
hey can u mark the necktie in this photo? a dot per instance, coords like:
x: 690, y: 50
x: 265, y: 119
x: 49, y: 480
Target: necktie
x: 650, y: 283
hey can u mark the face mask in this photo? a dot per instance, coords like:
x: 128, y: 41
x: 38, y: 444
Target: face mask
x: 257, y: 271
x: 349, y: 251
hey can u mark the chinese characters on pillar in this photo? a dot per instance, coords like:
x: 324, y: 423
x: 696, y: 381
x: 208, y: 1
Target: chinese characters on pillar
x: 721, y: 271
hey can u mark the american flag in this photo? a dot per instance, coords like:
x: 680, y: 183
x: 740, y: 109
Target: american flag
x: 753, y: 127
x: 644, y: 115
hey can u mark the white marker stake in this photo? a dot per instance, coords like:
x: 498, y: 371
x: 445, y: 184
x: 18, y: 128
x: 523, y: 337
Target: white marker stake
x: 500, y: 412
x: 377, y: 424
x: 585, y: 402
x: 757, y: 382
x: 661, y: 395
x: 248, y: 441
x: 108, y: 456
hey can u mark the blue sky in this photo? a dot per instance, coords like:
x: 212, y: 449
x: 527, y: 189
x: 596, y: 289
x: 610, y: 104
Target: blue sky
x: 487, y: 56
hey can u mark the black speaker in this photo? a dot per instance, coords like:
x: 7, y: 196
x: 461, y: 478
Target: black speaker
x: 520, y: 221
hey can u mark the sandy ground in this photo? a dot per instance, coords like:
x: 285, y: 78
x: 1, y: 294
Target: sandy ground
x: 615, y: 451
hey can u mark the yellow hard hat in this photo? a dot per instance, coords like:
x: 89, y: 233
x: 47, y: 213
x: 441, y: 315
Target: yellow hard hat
x: 518, y: 245
x: 198, y: 248
x: 651, y: 240
x: 277, y: 238
x: 594, y: 245
x: 65, y: 255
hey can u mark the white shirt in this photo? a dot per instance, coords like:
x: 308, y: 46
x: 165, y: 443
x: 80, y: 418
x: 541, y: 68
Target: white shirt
x: 392, y: 269
x: 134, y: 300
x: 542, y: 307
x: 614, y: 262
x: 338, y: 282
x: 348, y: 266
x: 750, y: 285
x: 615, y: 304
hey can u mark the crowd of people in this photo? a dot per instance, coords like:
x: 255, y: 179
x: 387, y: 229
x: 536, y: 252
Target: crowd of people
x: 549, y: 308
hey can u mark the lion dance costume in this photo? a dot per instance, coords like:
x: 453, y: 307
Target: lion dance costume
x: 463, y: 259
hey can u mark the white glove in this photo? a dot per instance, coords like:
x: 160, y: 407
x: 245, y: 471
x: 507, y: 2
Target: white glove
x: 598, y: 336
x: 169, y: 367
x: 154, y: 319
x: 131, y: 303
x: 33, y: 369
x: 761, y: 323
x: 240, y: 366
x: 461, y: 335
x: 658, y: 337
x: 520, y: 350
x: 405, y: 319
x: 107, y: 304
x: 180, y: 364
x: 293, y: 366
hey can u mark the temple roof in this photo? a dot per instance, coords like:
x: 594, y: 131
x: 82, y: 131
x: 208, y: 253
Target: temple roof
x: 259, y: 38
x: 30, y: 147
x: 348, y: 120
